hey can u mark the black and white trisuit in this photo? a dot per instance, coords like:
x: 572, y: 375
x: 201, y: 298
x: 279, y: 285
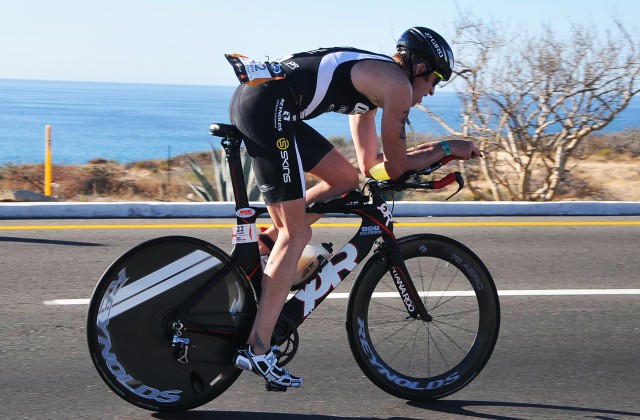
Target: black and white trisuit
x: 271, y: 116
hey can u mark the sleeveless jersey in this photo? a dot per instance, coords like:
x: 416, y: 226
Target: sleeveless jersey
x: 321, y: 80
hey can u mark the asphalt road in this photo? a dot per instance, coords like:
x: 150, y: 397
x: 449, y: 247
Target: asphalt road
x: 557, y: 356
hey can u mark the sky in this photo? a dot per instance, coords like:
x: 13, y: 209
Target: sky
x: 184, y: 41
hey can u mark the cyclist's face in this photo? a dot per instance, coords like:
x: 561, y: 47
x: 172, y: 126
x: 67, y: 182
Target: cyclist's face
x: 424, y: 85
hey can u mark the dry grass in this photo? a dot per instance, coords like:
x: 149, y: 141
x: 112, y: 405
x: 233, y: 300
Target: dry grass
x: 606, y: 168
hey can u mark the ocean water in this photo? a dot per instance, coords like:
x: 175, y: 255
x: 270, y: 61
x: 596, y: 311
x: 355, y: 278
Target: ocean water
x: 130, y: 122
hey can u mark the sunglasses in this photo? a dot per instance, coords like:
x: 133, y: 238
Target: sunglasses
x: 439, y: 79
x: 428, y: 72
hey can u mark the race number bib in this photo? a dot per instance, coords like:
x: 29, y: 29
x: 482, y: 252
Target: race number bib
x: 245, y: 233
x: 253, y: 72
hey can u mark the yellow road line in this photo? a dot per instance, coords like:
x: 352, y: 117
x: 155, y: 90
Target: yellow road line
x: 121, y: 226
x: 549, y: 223
x: 321, y: 225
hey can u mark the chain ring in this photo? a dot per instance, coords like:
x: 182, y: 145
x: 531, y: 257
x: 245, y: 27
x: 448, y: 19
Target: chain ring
x: 286, y: 337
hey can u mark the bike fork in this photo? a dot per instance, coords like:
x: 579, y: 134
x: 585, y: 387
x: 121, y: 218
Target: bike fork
x: 403, y: 282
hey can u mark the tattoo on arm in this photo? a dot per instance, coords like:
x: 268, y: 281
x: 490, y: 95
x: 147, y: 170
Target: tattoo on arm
x: 405, y: 117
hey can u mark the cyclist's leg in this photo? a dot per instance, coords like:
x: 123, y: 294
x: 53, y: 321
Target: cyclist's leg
x: 280, y: 175
x: 338, y: 177
x: 294, y: 234
x: 321, y: 159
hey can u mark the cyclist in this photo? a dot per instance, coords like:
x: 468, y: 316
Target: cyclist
x: 283, y: 147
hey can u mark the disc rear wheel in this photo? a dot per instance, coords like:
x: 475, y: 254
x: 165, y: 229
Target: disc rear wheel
x: 165, y: 320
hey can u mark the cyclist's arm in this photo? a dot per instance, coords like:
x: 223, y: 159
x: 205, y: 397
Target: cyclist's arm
x: 365, y: 140
x: 363, y: 130
x: 387, y: 87
x: 460, y: 149
x: 394, y: 118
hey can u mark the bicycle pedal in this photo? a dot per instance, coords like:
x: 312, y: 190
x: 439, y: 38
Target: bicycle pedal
x: 275, y: 387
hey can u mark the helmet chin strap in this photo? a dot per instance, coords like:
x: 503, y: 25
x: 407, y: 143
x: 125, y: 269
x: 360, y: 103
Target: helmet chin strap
x: 412, y: 76
x: 409, y: 63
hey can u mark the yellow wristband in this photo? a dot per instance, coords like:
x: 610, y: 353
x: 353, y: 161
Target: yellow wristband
x: 379, y: 172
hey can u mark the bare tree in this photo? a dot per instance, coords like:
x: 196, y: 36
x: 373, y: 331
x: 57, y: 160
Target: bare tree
x: 528, y: 101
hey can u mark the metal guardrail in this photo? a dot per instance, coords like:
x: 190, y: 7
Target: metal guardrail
x: 226, y: 209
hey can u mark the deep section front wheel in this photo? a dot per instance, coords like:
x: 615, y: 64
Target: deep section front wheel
x: 165, y: 320
x: 424, y: 359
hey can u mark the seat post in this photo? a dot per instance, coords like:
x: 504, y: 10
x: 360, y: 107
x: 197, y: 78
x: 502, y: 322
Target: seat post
x: 231, y: 148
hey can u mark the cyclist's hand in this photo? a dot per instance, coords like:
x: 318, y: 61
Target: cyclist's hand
x: 464, y: 149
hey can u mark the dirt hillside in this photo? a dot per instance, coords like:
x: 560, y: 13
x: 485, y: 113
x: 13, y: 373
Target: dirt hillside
x: 606, y: 168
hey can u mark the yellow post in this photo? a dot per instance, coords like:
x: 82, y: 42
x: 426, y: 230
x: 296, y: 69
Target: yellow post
x: 47, y: 160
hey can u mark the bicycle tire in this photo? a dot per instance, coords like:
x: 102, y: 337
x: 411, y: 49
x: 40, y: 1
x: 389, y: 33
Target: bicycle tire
x: 133, y: 310
x: 410, y: 358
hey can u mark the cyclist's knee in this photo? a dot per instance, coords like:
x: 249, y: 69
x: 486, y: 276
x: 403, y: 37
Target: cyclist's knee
x: 306, y: 234
x: 300, y: 234
x: 352, y: 181
x: 347, y: 181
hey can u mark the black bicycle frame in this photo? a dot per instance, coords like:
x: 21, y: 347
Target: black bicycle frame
x: 376, y: 223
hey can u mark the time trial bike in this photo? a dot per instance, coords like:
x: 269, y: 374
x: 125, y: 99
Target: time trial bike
x: 167, y: 316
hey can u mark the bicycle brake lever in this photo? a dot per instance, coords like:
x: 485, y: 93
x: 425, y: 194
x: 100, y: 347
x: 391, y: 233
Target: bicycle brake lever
x: 460, y: 182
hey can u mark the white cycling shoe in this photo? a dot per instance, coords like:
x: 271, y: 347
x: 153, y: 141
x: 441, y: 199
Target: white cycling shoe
x: 266, y: 365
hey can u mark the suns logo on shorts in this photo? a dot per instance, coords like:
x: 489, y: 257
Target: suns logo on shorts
x: 282, y: 143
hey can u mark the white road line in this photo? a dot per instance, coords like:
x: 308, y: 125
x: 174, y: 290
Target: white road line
x: 67, y: 302
x: 551, y: 292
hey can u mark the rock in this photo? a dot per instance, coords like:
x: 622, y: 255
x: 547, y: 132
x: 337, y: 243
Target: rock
x: 24, y: 195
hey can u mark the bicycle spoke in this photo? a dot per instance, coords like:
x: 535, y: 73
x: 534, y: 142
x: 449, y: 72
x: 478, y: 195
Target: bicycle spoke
x: 386, y: 322
x: 439, y: 304
x: 396, y: 308
x: 413, y: 347
x: 449, y: 337
x: 384, y: 339
x: 425, y: 327
x: 468, y: 311
x: 393, y: 358
x: 467, y: 330
x: 424, y: 301
x: 437, y: 347
x: 433, y: 276
x: 455, y: 274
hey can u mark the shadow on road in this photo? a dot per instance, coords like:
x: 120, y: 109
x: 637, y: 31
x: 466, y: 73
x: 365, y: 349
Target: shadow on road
x: 462, y: 408
x: 244, y: 415
x: 468, y: 409
x: 46, y: 241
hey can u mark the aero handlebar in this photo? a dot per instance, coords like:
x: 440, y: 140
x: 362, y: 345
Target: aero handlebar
x: 411, y: 180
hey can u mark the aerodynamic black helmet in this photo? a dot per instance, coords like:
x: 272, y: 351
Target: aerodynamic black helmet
x: 428, y: 44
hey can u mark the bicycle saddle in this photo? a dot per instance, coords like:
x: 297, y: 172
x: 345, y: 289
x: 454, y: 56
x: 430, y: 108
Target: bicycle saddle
x: 229, y: 131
